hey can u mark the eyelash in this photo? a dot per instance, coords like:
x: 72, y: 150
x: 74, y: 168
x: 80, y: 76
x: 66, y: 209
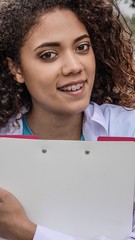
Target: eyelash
x: 85, y: 49
x: 86, y: 45
x: 46, y: 58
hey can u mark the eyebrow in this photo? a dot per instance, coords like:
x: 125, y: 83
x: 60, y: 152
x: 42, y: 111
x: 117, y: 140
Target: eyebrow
x: 57, y: 44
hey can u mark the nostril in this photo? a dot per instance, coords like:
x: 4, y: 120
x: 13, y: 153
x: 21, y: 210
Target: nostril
x: 72, y: 70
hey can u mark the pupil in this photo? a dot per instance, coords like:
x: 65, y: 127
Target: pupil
x: 48, y: 55
x: 81, y: 47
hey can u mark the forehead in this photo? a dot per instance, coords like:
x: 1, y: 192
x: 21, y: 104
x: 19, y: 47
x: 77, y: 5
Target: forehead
x: 58, y: 25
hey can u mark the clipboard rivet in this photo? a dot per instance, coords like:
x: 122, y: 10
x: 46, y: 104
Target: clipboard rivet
x: 44, y: 150
x: 87, y: 152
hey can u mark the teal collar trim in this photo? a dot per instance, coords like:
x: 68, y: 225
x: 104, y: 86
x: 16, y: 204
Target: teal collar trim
x: 82, y: 138
x: 26, y: 129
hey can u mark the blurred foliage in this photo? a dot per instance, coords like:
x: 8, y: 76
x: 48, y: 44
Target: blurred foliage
x: 132, y: 2
x: 131, y: 20
x: 131, y: 23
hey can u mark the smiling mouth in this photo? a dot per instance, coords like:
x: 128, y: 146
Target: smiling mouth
x: 72, y: 88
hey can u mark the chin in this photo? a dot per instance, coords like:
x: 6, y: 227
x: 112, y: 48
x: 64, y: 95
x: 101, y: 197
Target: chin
x: 78, y: 107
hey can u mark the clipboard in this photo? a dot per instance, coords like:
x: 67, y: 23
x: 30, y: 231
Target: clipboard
x: 114, y: 139
x: 83, y: 189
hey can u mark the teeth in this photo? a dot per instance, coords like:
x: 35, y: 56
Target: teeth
x: 69, y: 88
x: 72, y: 87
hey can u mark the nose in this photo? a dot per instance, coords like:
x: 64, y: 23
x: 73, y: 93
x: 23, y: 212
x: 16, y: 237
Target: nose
x: 71, y: 64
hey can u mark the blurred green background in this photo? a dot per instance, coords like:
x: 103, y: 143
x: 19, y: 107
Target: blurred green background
x: 128, y: 9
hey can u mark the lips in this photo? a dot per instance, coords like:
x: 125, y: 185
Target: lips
x: 72, y: 87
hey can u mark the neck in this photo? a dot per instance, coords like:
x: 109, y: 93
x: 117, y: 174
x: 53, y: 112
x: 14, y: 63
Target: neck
x: 55, y: 127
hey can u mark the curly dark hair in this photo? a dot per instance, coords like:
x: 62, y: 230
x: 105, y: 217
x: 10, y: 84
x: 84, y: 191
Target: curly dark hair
x: 110, y: 37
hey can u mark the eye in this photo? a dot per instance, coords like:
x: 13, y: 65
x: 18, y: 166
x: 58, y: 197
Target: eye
x: 48, y: 55
x: 83, y: 47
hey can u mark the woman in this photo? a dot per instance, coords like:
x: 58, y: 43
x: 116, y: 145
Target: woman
x: 55, y: 57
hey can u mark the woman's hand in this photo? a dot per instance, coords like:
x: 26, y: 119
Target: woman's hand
x: 14, y: 224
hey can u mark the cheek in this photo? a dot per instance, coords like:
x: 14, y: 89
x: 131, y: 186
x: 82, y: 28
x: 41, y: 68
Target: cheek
x: 91, y: 69
x: 92, y: 65
x: 41, y: 84
x: 45, y: 74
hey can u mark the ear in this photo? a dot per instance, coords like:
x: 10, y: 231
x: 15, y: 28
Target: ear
x: 15, y: 70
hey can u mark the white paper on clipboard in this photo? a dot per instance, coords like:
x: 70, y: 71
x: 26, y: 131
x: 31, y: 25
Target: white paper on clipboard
x: 83, y: 189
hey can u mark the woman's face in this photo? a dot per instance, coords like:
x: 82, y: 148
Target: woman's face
x: 58, y: 64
